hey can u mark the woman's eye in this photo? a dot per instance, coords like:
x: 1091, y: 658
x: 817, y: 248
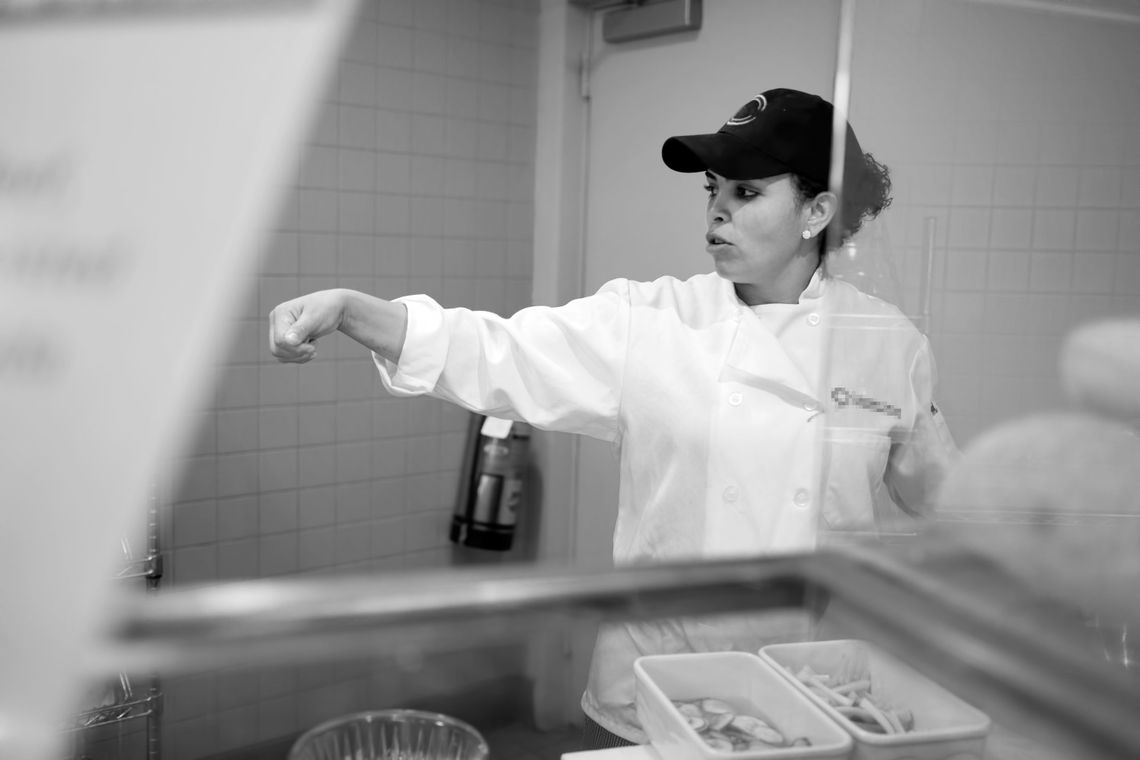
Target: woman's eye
x: 710, y: 189
x: 746, y: 192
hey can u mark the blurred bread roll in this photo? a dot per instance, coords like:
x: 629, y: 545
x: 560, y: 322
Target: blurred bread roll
x: 1100, y: 368
x: 1056, y: 499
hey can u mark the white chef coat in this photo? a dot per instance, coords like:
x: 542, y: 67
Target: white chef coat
x: 728, y: 419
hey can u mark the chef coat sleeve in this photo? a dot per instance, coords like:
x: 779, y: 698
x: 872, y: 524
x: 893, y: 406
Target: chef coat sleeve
x: 921, y: 457
x: 557, y: 368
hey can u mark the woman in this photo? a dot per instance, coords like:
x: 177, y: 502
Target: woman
x: 714, y: 387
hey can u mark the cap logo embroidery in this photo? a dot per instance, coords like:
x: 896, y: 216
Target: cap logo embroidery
x: 748, y: 111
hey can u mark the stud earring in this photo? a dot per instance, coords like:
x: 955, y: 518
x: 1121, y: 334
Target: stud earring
x: 806, y: 234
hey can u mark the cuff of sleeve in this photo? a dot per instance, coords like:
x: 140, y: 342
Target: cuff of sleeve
x: 425, y: 349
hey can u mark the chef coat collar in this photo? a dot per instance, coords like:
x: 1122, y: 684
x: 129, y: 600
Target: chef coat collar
x: 814, y: 290
x: 758, y: 358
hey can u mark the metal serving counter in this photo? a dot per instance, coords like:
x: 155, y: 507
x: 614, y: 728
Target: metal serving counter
x: 1024, y: 659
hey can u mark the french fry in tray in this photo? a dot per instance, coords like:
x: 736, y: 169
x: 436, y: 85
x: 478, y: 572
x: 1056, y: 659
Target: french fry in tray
x: 853, y: 700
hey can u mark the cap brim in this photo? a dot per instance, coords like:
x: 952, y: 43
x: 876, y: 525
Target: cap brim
x: 720, y: 153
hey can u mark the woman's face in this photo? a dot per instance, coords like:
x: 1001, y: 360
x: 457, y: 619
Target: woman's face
x: 755, y: 235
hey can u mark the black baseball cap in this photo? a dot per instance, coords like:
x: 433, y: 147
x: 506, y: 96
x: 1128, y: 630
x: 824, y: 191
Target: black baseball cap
x: 777, y: 132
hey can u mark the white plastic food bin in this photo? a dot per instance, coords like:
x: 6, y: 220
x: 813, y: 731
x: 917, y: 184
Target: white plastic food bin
x: 745, y: 682
x: 945, y: 727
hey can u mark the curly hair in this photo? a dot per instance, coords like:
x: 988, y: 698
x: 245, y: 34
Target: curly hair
x: 864, y: 196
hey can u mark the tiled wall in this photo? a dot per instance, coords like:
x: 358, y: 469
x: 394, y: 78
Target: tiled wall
x: 1016, y: 131
x: 417, y: 178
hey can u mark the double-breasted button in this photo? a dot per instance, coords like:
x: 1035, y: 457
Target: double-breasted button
x: 731, y: 494
x: 801, y: 498
x: 813, y: 319
x: 735, y: 398
x: 811, y: 406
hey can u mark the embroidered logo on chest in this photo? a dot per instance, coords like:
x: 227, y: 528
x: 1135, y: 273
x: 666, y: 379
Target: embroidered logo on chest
x: 844, y: 398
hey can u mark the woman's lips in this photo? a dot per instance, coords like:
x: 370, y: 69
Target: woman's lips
x: 715, y: 244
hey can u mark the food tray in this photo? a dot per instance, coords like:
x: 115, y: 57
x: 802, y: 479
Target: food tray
x: 944, y: 727
x: 750, y: 686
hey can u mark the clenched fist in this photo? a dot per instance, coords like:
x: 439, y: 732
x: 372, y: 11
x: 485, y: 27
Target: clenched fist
x: 295, y: 326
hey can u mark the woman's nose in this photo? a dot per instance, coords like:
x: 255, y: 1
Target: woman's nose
x: 717, y: 212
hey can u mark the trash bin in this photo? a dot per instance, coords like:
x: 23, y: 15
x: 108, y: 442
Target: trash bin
x: 391, y: 735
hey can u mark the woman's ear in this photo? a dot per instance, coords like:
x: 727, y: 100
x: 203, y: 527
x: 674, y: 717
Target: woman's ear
x: 820, y: 211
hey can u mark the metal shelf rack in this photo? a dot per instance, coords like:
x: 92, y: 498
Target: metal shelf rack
x: 125, y: 703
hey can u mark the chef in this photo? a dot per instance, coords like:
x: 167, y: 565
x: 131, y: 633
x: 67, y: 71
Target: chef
x: 756, y: 407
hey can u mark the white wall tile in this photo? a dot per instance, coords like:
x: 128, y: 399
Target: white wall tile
x: 237, y: 727
x: 1048, y: 313
x: 429, y: 55
x: 1008, y: 270
x: 393, y: 91
x: 316, y: 465
x: 195, y: 564
x: 461, y: 139
x: 237, y: 430
x: 489, y: 141
x: 1004, y: 314
x: 1014, y: 185
x: 276, y: 717
x: 354, y: 501
x: 282, y: 254
x: 394, y: 47
x: 354, y: 420
x: 316, y: 210
x: 277, y: 511
x: 353, y: 543
x: 1018, y: 142
x: 278, y: 384
x: 1100, y: 186
x: 356, y: 170
x: 427, y: 256
x: 316, y: 507
x: 1097, y: 229
x: 238, y: 474
x: 238, y: 517
x: 357, y: 84
x: 1129, y: 234
x: 198, y: 478
x: 1130, y: 187
x: 961, y: 312
x: 195, y: 522
x: 969, y: 228
x: 317, y: 257
x: 363, y: 41
x: 972, y: 185
x: 1011, y: 228
x: 317, y: 547
x: 398, y: 12
x: 1060, y: 143
x: 430, y: 14
x: 1103, y: 144
x: 353, y: 461
x: 238, y: 560
x: 1050, y: 272
x: 1054, y: 229
x: 356, y: 378
x: 191, y: 739
x: 1127, y: 277
x: 1093, y: 272
x: 317, y: 383
x: 1057, y: 186
x: 238, y: 386
x: 195, y: 696
x: 277, y: 554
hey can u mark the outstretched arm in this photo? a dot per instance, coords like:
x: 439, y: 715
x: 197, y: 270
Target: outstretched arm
x: 376, y: 324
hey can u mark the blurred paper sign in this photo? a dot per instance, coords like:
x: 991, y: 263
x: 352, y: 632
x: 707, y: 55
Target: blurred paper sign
x: 143, y: 152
